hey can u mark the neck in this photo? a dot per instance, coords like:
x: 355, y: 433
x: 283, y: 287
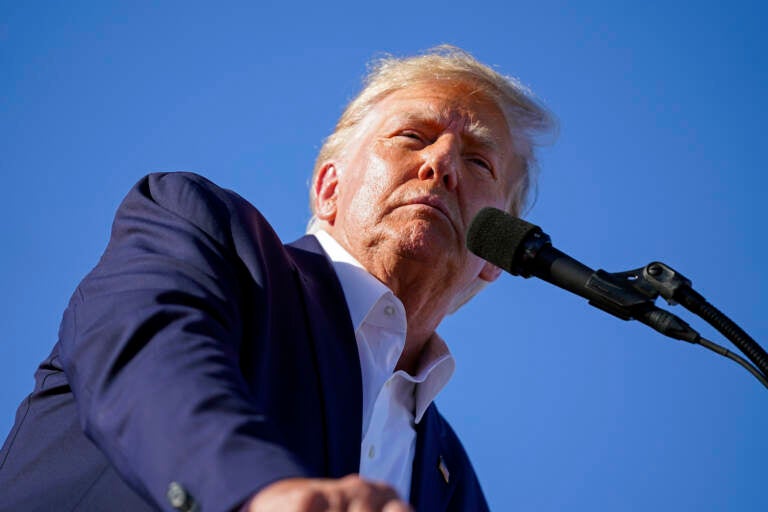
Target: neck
x: 425, y: 289
x: 425, y: 282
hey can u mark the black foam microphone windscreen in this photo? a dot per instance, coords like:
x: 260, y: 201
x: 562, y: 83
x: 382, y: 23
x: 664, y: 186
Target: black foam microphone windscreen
x: 498, y: 237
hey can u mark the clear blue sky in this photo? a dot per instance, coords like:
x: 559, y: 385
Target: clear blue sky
x: 662, y: 109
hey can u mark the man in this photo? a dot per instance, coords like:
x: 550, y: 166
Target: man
x: 205, y: 365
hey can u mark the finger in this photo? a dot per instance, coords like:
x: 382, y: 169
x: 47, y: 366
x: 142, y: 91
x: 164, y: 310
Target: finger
x: 375, y: 499
x: 397, y: 506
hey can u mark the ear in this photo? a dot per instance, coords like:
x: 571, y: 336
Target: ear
x: 326, y: 190
x: 490, y: 272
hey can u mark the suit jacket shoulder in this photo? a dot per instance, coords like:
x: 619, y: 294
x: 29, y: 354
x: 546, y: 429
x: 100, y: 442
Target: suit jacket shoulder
x: 168, y: 363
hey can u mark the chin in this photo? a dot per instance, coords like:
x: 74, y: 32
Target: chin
x: 425, y: 241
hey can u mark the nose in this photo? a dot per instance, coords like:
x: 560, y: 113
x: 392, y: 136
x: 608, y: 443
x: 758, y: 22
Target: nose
x: 440, y: 161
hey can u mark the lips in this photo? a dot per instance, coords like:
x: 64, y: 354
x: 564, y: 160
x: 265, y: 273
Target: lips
x: 434, y: 202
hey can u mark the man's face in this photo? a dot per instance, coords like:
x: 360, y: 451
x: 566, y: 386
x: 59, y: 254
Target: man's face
x: 421, y: 164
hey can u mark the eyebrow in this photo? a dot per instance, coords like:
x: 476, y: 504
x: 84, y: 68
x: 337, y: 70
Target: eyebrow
x: 477, y: 133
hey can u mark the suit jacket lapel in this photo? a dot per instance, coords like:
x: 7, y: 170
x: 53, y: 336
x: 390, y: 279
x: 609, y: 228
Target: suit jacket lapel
x: 432, y: 483
x: 336, y: 355
x: 341, y: 385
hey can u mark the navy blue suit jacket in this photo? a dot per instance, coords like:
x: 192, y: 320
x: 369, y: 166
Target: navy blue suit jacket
x: 202, y: 350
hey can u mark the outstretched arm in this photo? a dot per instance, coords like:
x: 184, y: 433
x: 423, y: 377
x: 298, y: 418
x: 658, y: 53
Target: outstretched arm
x: 151, y: 342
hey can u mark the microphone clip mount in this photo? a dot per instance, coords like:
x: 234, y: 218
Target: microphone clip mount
x: 651, y: 281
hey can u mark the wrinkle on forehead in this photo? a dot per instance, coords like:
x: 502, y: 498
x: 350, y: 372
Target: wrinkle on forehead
x: 458, y: 116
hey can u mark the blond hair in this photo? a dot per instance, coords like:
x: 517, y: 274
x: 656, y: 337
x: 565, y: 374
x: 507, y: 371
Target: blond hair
x: 525, y: 116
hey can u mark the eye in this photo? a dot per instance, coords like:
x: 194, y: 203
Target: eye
x: 482, y: 163
x: 412, y: 135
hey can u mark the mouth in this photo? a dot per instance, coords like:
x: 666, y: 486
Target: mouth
x: 432, y: 202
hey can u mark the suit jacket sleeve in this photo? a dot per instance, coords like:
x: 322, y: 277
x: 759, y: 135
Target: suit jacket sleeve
x: 150, y: 343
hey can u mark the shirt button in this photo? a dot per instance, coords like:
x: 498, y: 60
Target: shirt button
x: 389, y: 310
x: 371, y: 452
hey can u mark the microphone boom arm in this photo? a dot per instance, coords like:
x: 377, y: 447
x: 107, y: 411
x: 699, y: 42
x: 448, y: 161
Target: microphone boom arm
x: 631, y: 295
x: 523, y: 249
x: 626, y: 295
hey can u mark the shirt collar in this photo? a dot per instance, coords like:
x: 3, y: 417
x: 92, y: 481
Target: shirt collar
x: 363, y: 292
x: 435, y: 370
x: 361, y: 289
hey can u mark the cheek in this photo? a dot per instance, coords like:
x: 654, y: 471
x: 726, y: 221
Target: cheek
x: 480, y: 195
x: 368, y: 190
x: 374, y: 178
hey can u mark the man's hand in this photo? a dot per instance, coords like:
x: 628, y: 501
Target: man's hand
x: 348, y: 494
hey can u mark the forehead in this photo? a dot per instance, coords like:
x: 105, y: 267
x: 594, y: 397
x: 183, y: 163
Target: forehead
x: 445, y: 105
x: 446, y: 102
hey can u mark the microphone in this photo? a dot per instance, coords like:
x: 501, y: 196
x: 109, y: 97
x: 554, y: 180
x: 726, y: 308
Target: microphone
x: 523, y: 249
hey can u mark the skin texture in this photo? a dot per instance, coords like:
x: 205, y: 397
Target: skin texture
x: 400, y: 199
x: 403, y: 193
x: 348, y: 494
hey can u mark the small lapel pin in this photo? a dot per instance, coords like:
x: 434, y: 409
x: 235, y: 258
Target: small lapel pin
x: 444, y: 470
x: 180, y: 499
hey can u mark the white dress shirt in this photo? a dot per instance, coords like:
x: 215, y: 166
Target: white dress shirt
x: 393, y: 402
